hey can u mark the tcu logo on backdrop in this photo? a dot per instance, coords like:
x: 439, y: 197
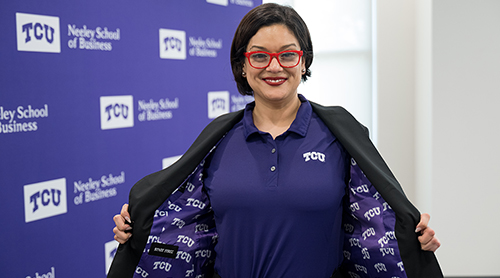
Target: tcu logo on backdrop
x: 38, y: 33
x: 218, y: 104
x: 117, y: 112
x: 169, y: 161
x: 172, y: 44
x: 44, y: 199
x: 110, y: 249
x: 218, y: 2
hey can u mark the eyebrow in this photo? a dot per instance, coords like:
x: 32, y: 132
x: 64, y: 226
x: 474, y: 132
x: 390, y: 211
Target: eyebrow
x: 283, y: 47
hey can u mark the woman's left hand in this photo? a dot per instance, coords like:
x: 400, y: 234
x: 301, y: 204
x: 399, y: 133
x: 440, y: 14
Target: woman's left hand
x: 427, y: 237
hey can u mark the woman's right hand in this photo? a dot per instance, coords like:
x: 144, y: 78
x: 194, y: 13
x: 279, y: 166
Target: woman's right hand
x: 122, y: 230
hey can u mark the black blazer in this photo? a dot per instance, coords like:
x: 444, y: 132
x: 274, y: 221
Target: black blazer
x: 151, y: 191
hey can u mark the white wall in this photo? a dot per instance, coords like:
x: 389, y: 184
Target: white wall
x: 443, y: 57
x: 342, y: 68
x: 395, y: 52
x: 466, y: 133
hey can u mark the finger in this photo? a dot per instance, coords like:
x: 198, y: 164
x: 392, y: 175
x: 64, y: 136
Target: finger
x: 124, y: 213
x: 120, y: 240
x: 120, y: 223
x: 118, y: 235
x: 427, y: 235
x: 424, y: 221
x: 121, y: 236
x: 429, y: 241
x: 432, y: 245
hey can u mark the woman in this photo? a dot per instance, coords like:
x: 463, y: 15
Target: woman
x: 284, y: 188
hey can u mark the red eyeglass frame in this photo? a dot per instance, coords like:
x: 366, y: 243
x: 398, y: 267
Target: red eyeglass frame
x: 248, y: 54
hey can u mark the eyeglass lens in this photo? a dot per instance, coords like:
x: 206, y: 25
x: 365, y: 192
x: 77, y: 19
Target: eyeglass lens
x: 286, y: 59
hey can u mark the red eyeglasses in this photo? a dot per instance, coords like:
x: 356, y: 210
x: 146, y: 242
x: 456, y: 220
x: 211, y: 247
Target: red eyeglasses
x: 262, y: 59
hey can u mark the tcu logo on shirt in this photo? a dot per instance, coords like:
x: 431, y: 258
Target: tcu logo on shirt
x: 178, y: 222
x: 185, y: 239
x: 353, y: 275
x: 347, y: 254
x: 314, y: 156
x: 195, y: 203
x: 185, y: 256
x: 361, y: 268
x: 372, y: 213
x: 385, y: 239
x: 162, y: 266
x: 141, y: 272
x: 380, y: 267
x: 368, y: 233
x: 387, y: 251
x: 366, y: 254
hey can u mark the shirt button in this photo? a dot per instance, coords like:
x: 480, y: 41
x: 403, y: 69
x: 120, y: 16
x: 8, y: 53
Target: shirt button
x: 273, y: 168
x: 273, y: 150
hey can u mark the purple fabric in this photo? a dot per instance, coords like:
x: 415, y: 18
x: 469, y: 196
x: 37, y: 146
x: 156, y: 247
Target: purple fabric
x: 184, y: 220
x: 370, y: 246
x: 284, y: 221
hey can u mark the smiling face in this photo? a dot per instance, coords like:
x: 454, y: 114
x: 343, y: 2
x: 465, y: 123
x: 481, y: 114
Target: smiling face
x: 274, y: 84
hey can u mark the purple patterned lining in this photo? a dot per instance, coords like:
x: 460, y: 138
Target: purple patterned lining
x: 370, y: 245
x: 185, y: 221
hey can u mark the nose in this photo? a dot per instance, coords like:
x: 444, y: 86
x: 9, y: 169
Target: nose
x: 274, y: 65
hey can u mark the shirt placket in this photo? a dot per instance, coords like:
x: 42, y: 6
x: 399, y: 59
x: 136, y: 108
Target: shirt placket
x: 273, y: 165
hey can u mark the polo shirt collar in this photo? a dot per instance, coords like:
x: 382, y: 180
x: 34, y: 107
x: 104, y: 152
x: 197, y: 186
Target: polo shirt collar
x: 299, y: 125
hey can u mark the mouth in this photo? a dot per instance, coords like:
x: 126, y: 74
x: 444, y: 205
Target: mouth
x: 274, y: 81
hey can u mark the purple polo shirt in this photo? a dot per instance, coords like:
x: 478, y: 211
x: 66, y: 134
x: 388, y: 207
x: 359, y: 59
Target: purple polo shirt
x: 278, y: 203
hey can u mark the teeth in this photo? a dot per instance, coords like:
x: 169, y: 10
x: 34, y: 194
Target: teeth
x: 275, y: 80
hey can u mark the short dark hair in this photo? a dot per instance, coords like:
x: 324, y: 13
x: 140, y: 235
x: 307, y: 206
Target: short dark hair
x: 262, y: 16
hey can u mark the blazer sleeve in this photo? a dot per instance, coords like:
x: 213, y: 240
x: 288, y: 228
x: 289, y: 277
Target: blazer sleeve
x: 353, y: 137
x: 151, y: 191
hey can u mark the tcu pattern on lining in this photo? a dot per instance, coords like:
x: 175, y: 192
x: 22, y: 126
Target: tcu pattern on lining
x: 186, y: 220
x: 370, y: 245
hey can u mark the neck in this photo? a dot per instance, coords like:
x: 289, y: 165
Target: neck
x: 275, y: 118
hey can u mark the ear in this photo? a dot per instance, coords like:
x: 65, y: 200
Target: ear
x: 303, y: 66
x: 244, y: 69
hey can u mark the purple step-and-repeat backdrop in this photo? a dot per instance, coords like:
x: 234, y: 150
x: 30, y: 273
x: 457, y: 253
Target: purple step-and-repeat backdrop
x: 94, y: 95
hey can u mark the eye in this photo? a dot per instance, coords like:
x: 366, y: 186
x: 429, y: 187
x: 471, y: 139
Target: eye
x: 259, y: 56
x: 288, y: 56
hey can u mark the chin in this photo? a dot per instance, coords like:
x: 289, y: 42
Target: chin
x: 278, y: 95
